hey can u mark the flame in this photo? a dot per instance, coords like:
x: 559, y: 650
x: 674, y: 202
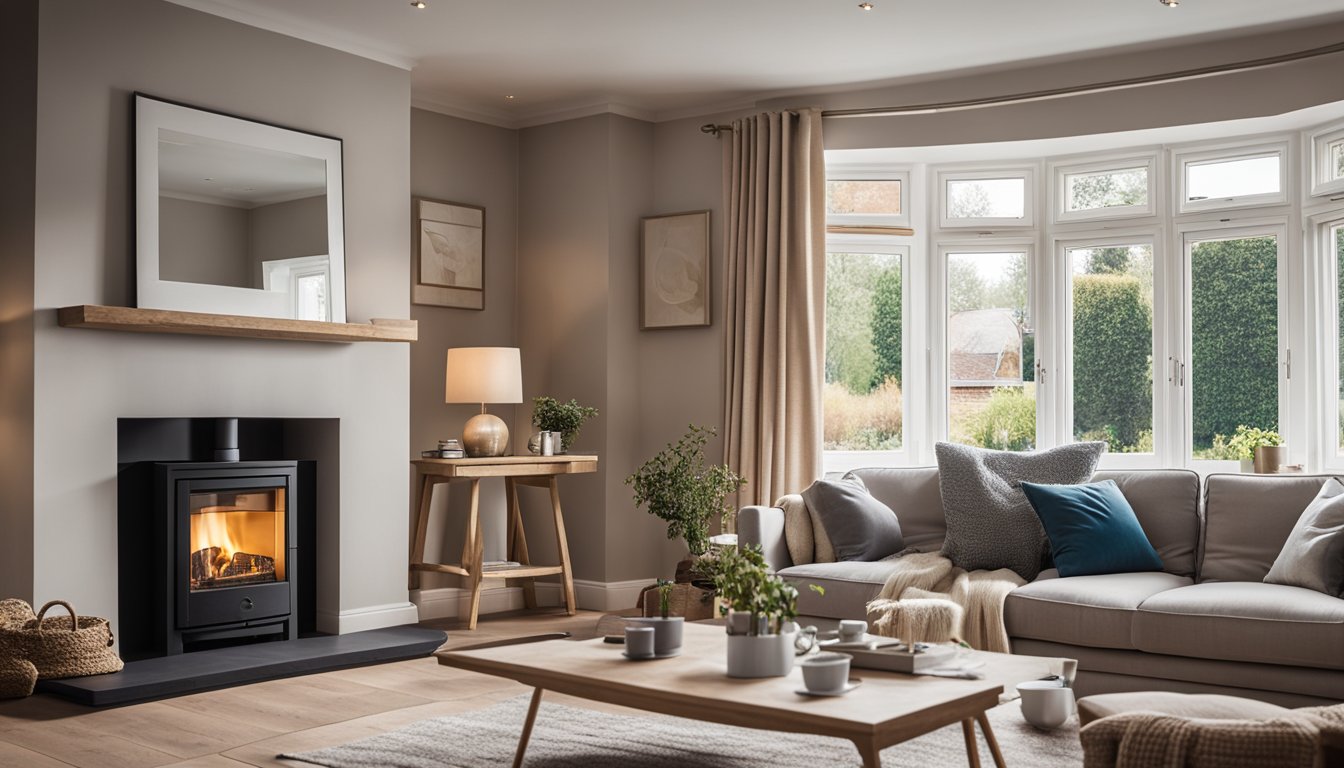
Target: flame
x: 217, y: 529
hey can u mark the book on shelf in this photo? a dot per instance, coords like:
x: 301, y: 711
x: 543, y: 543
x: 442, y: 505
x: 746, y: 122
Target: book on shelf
x: 499, y: 565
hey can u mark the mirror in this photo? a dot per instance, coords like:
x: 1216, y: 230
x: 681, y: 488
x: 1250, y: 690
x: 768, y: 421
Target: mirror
x: 236, y: 217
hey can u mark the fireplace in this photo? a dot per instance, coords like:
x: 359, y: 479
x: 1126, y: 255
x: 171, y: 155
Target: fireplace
x: 219, y: 552
x: 234, y: 544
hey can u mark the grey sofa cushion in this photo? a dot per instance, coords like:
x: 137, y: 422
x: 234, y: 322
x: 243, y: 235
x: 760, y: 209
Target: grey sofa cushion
x: 1313, y: 556
x: 1248, y: 519
x: 989, y: 522
x: 1166, y: 501
x: 859, y: 526
x: 849, y: 586
x: 1244, y: 621
x: 912, y: 493
x: 1207, y: 706
x: 1096, y: 611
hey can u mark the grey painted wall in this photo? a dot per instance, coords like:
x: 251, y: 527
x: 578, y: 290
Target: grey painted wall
x: 18, y: 133
x: 204, y: 243
x: 287, y: 230
x: 92, y: 55
x: 466, y: 162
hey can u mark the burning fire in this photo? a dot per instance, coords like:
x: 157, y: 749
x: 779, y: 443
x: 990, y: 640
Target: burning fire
x: 238, y: 544
x: 217, y: 529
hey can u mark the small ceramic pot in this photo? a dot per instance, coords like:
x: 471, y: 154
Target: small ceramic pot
x: 1268, y: 458
x: 761, y: 655
x: 667, y: 633
x: 826, y: 672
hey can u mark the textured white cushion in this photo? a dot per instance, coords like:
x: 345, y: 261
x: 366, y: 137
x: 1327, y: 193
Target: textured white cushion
x: 797, y: 528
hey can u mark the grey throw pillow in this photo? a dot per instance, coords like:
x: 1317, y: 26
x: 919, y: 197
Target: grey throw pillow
x: 859, y: 526
x: 990, y: 523
x: 1313, y: 556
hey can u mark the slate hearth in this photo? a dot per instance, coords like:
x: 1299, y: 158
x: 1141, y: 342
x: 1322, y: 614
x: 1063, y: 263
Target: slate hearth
x: 223, y: 667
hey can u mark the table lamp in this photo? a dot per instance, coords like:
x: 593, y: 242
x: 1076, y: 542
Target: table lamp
x: 484, y: 375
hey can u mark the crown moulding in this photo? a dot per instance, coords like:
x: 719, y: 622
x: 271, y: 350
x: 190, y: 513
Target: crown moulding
x: 237, y: 326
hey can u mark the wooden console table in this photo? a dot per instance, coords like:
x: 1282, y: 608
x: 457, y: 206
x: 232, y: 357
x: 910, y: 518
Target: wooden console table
x: 538, y: 471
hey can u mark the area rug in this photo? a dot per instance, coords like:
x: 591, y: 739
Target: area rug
x: 571, y: 737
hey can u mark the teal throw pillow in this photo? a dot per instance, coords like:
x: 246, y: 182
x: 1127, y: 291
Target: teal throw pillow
x: 1092, y: 529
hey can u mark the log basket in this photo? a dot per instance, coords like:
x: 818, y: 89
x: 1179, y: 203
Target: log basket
x: 60, y: 646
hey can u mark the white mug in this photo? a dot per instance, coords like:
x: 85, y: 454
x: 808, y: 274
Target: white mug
x: 1045, y: 703
x: 852, y: 630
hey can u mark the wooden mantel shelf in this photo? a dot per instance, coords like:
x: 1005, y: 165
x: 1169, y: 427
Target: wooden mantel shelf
x: 202, y: 324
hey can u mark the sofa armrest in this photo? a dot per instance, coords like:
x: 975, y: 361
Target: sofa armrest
x: 764, y: 527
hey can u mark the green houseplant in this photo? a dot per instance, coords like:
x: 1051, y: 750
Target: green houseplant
x: 761, y: 607
x: 1247, y: 445
x: 676, y: 485
x: 551, y: 415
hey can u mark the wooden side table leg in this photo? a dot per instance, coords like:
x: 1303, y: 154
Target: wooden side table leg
x: 426, y: 485
x: 972, y: 746
x: 983, y: 719
x: 567, y: 573
x: 472, y: 552
x: 527, y: 729
x: 518, y: 540
x: 868, y: 750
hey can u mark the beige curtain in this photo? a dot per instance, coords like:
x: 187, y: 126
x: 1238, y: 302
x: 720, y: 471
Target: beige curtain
x: 774, y: 174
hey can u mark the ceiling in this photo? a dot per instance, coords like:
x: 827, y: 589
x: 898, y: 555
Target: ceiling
x: 662, y: 59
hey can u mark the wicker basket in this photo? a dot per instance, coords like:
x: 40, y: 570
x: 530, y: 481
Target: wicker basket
x: 15, y: 611
x: 17, y: 678
x: 61, y: 646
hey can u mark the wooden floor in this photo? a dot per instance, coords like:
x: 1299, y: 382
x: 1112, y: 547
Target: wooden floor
x: 250, y: 725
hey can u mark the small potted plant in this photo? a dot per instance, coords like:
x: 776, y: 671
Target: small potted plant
x: 667, y: 629
x: 761, y: 607
x: 1259, y: 450
x: 551, y: 415
x: 676, y: 486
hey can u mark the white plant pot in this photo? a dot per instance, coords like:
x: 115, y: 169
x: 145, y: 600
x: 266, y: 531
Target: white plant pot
x: 761, y: 655
x: 666, y: 633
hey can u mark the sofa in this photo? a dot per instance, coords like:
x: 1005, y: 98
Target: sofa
x: 1205, y: 624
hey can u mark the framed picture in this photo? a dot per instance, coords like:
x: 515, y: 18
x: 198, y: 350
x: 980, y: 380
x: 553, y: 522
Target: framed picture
x: 448, y: 249
x: 674, y: 271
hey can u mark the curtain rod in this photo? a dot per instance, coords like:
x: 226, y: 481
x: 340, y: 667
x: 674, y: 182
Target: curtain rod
x: 1070, y: 90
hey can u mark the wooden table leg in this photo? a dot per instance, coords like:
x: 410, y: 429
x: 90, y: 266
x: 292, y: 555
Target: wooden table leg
x: 472, y: 552
x: 566, y: 573
x: 518, y: 540
x: 527, y: 729
x: 972, y: 747
x: 426, y: 485
x: 871, y: 754
x: 983, y: 719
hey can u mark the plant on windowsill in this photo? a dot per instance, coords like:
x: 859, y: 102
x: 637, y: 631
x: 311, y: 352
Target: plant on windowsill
x: 551, y: 415
x: 1258, y: 450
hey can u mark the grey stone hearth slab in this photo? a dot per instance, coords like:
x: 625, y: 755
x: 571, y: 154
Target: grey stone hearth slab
x: 224, y: 667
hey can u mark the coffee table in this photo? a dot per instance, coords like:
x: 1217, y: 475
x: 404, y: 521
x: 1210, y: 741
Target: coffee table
x: 887, y: 709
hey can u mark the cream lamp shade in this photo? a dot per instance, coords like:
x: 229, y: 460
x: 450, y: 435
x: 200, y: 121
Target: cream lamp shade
x: 484, y: 375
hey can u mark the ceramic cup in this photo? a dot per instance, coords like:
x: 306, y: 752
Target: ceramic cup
x: 1045, y: 703
x: 826, y: 672
x: 639, y: 642
x: 852, y: 630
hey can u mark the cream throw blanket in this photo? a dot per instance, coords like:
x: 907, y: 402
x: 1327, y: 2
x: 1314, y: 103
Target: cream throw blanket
x: 927, y: 599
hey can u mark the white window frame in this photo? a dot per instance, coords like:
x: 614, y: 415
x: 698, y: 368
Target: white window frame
x: 1324, y: 373
x: 1062, y: 334
x: 839, y: 461
x: 871, y: 172
x: 1060, y: 171
x: 989, y: 173
x: 1320, y: 141
x: 940, y: 374
x: 1184, y: 158
x: 282, y: 276
x: 1183, y: 342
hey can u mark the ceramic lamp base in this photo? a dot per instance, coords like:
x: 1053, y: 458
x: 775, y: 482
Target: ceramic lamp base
x: 485, y: 435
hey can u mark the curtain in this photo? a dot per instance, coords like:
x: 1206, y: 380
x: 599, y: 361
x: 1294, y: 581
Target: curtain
x: 774, y: 176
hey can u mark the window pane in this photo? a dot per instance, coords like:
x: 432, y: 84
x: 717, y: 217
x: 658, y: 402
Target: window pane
x: 1113, y: 346
x: 1232, y: 178
x: 991, y: 399
x: 1337, y: 236
x: 1234, y: 375
x: 312, y: 298
x: 861, y: 408
x: 986, y: 198
x: 1105, y: 189
x: 1337, y: 160
x: 863, y: 196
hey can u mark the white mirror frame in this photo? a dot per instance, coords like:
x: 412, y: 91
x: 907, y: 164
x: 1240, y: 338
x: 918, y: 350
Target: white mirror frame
x: 153, y: 114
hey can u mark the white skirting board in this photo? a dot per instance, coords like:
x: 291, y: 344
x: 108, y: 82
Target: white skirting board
x: 371, y: 617
x: 453, y: 602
